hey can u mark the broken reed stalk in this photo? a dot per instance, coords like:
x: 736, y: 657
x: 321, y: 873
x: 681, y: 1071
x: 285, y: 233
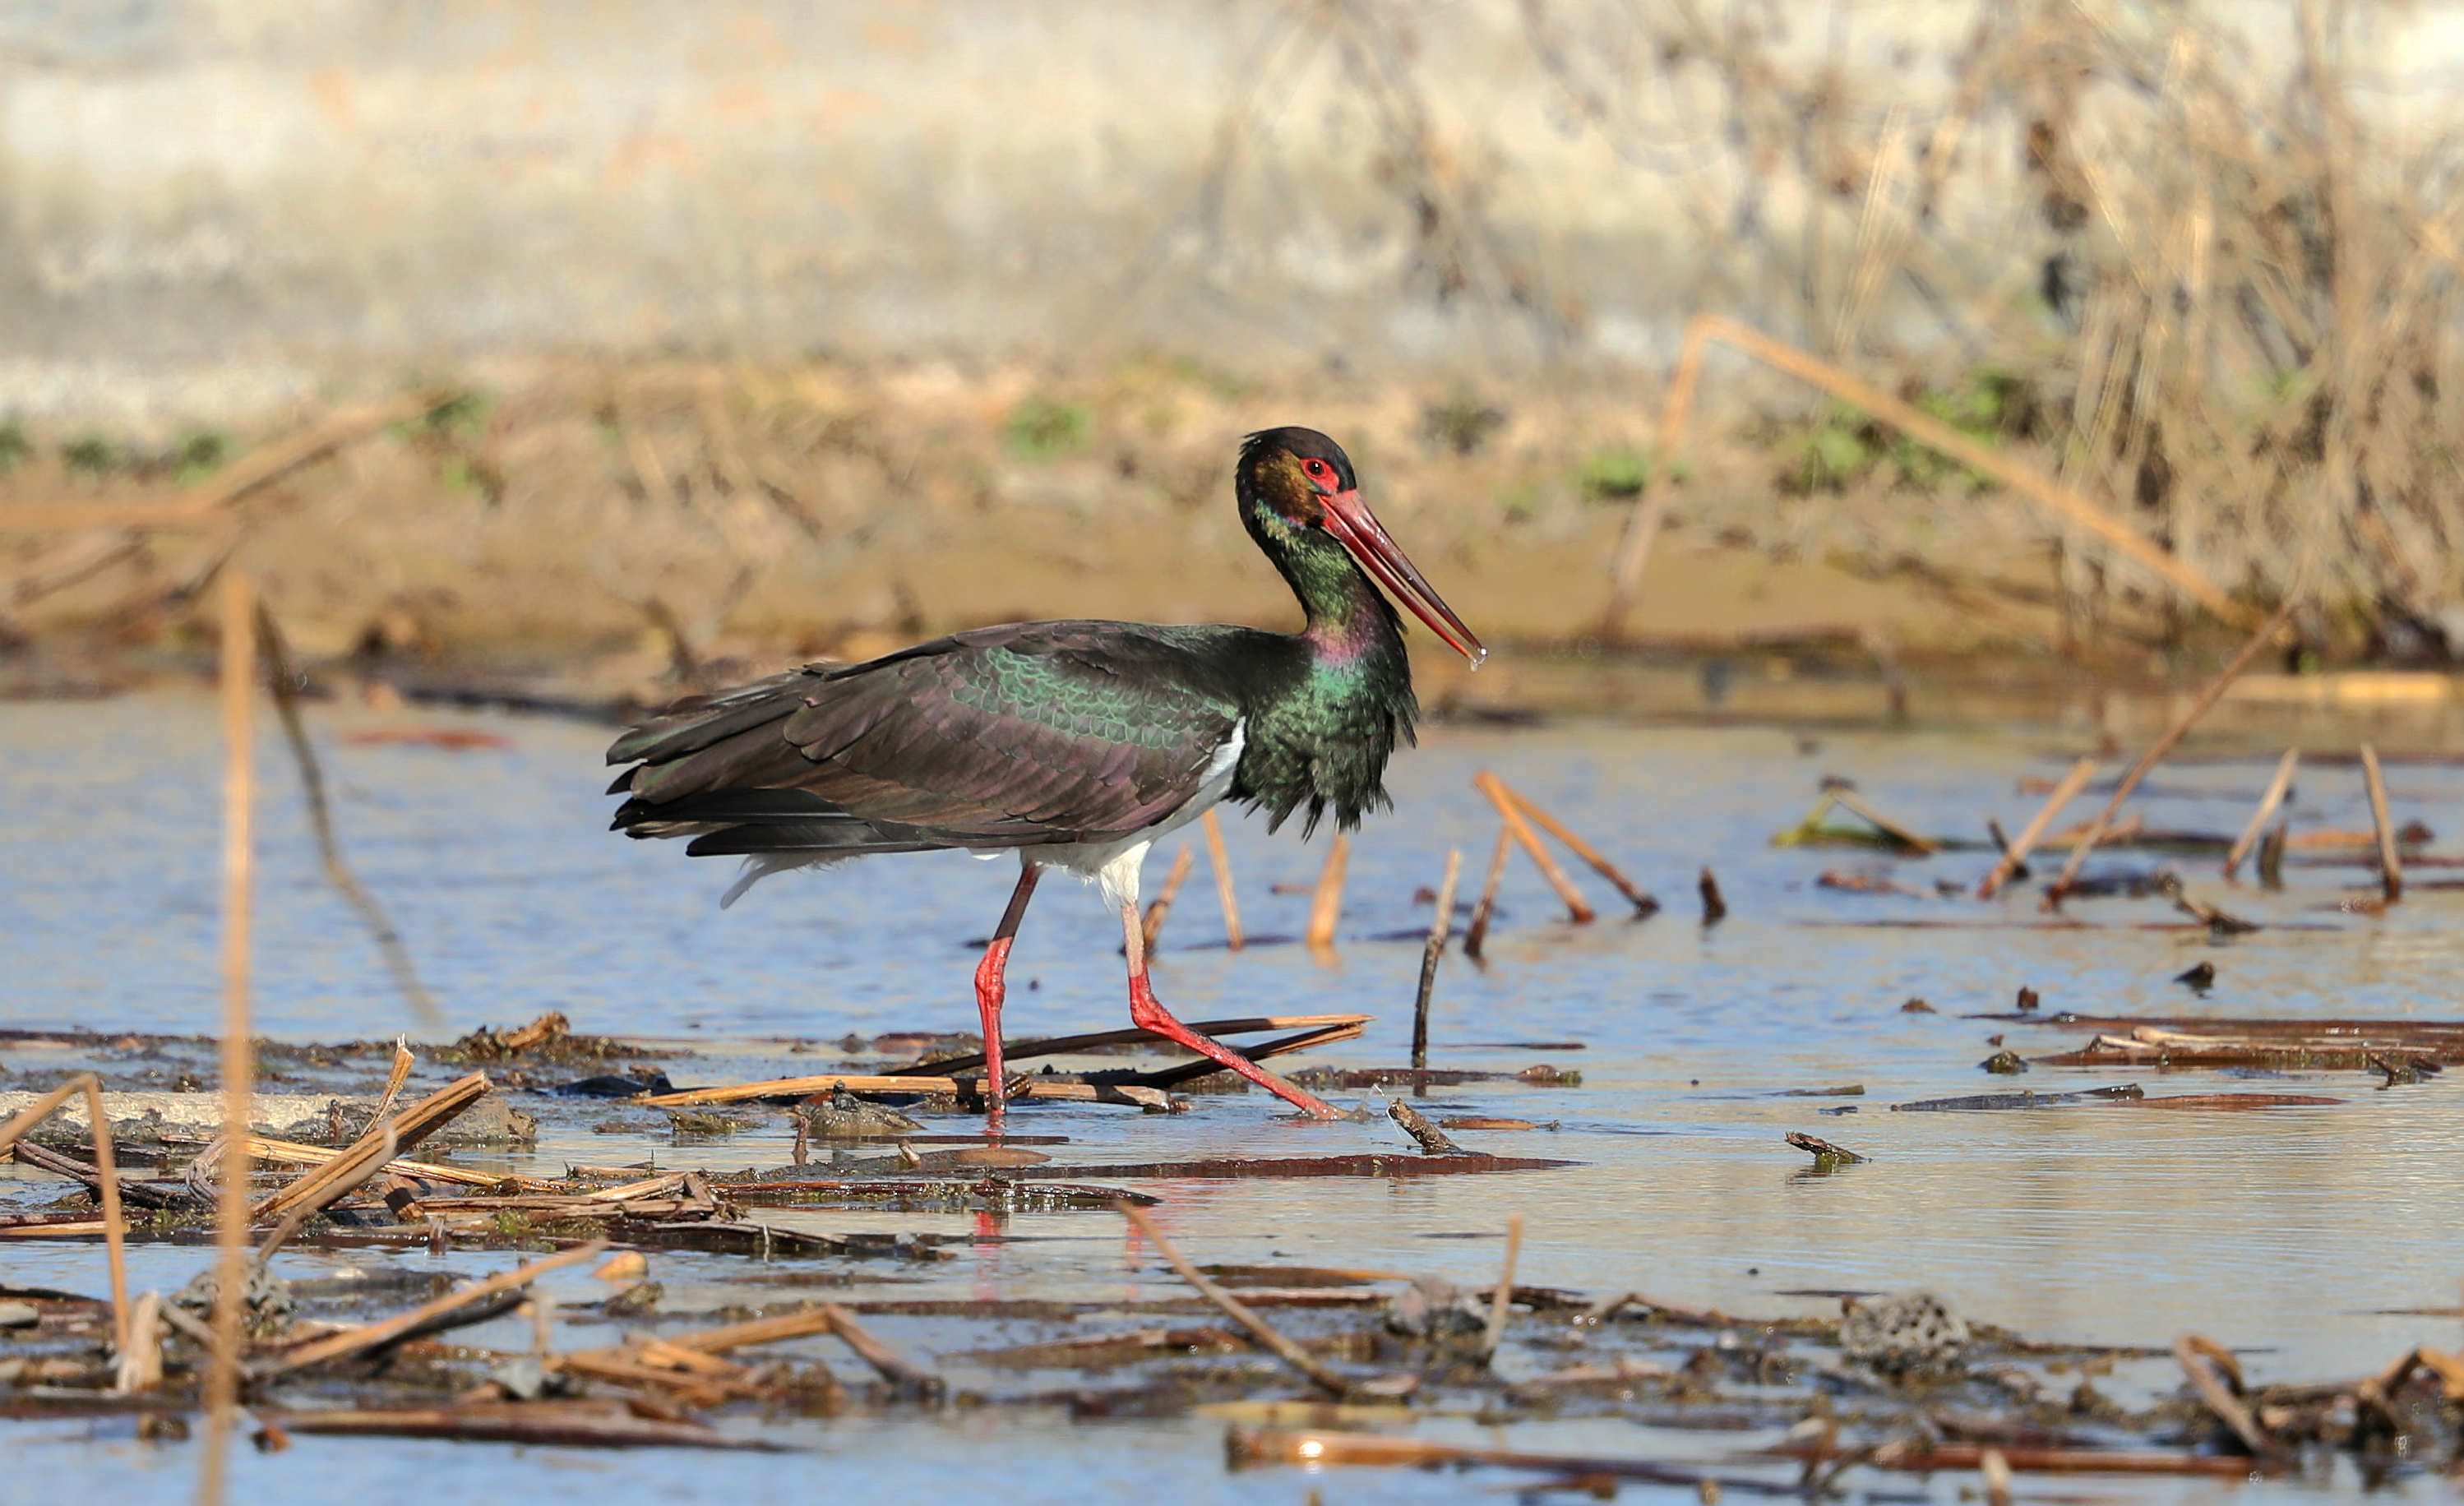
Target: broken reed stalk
x: 320, y: 821
x: 2271, y: 855
x: 1326, y: 905
x: 1503, y: 1299
x: 1152, y: 925
x: 1510, y: 811
x: 1440, y: 925
x: 2277, y: 789
x: 114, y: 1234
x: 1644, y: 904
x: 2157, y: 749
x: 1221, y: 862
x: 369, y: 1335
x: 892, y: 1366
x: 1634, y: 550
x: 1431, y: 1140
x: 2391, y: 861
x: 1476, y: 934
x: 239, y: 860
x: 2201, y: 1359
x: 1857, y: 804
x: 1715, y: 905
x: 1232, y: 1307
x: 2017, y: 853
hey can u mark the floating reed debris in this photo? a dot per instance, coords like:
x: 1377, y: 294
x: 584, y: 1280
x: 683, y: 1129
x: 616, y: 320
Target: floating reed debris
x: 2163, y: 745
x: 370, y: 1336
x: 1221, y: 862
x: 1325, y: 904
x: 2277, y: 789
x: 1257, y: 1328
x: 1152, y: 925
x: 106, y: 1182
x: 2015, y: 855
x: 2390, y: 862
x: 1715, y: 907
x: 238, y: 1068
x: 1440, y: 925
x: 1510, y: 811
x: 1476, y: 934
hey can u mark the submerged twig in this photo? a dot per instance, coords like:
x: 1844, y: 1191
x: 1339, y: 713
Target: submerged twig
x: 1440, y: 925
x: 1476, y: 934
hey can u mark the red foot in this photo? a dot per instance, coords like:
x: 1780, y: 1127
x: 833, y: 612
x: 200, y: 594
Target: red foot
x: 990, y: 990
x: 1147, y: 1013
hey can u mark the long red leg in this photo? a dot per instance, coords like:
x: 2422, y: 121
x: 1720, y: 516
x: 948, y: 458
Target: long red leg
x: 990, y: 990
x: 1147, y: 1013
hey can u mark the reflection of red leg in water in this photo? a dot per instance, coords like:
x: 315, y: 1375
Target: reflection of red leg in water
x: 988, y: 1254
x: 992, y: 988
x: 1147, y: 1013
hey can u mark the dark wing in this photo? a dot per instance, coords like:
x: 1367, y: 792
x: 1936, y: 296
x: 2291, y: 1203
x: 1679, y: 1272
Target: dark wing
x: 1019, y: 735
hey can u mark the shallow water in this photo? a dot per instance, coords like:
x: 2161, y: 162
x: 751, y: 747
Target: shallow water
x: 2277, y: 1233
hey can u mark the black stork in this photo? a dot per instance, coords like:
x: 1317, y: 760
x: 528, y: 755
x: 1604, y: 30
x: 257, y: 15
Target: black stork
x: 1075, y: 744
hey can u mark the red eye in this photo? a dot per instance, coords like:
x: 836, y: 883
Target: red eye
x: 1317, y: 467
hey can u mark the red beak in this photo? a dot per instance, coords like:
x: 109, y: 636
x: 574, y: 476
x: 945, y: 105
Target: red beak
x: 1348, y: 519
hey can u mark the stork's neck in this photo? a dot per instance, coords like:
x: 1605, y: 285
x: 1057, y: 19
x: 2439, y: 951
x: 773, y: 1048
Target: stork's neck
x: 1351, y: 623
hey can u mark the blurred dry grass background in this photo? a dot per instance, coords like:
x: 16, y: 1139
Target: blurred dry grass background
x: 2198, y: 260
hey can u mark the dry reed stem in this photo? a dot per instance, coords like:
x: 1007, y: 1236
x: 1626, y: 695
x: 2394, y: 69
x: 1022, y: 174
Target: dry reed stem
x: 2034, y: 832
x: 1476, y: 934
x: 1633, y: 552
x: 369, y: 1335
x: 1222, y: 863
x: 1232, y: 1307
x: 2207, y: 698
x: 2390, y: 861
x: 239, y: 859
x: 892, y: 1366
x: 1152, y: 925
x: 1507, y: 810
x: 1644, y: 904
x: 1503, y: 1299
x: 1857, y: 804
x: 2267, y: 804
x: 1326, y: 905
x: 115, y: 1228
x: 140, y: 1367
x: 1440, y: 925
